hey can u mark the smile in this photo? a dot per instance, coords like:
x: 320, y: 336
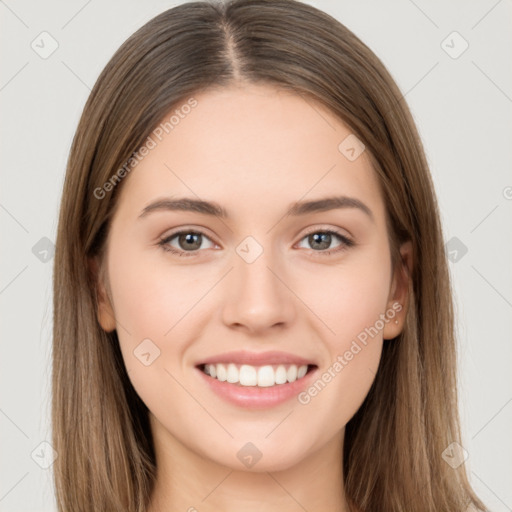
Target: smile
x: 256, y: 380
x: 259, y: 376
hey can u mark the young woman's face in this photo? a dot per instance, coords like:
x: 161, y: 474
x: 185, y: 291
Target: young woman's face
x: 276, y: 284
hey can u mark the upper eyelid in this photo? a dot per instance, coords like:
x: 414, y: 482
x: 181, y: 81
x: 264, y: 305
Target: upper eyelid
x: 179, y: 231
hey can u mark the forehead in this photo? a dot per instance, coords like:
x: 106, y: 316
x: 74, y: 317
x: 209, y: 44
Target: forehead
x: 253, y: 146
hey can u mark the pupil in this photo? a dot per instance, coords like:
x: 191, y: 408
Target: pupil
x: 189, y: 239
x: 323, y: 239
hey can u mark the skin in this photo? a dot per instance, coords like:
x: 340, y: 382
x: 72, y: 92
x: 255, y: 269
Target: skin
x: 255, y: 150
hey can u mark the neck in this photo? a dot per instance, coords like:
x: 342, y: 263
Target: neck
x: 190, y: 482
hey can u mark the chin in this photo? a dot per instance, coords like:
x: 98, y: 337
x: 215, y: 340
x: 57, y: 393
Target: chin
x: 260, y: 455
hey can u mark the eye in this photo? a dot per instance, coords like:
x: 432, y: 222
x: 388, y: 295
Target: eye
x: 187, y: 241
x: 322, y: 240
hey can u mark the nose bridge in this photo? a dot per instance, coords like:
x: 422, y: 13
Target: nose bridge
x: 255, y: 297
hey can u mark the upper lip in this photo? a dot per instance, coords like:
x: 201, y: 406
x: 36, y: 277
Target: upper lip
x: 257, y: 358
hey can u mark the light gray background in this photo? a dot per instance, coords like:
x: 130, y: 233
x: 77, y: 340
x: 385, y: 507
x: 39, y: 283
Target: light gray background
x: 463, y: 110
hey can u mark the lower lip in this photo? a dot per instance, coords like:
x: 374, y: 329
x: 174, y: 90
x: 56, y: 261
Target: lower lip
x: 254, y: 397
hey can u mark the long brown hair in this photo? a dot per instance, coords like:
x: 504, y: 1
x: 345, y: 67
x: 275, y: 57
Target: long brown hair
x: 394, y: 444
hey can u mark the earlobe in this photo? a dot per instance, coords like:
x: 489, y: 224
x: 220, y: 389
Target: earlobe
x: 106, y: 316
x: 398, y: 301
x: 105, y: 312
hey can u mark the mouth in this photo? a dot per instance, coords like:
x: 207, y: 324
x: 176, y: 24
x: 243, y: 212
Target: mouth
x: 256, y: 380
x: 263, y: 376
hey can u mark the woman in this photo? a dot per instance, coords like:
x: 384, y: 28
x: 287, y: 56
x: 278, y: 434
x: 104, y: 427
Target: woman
x: 252, y: 303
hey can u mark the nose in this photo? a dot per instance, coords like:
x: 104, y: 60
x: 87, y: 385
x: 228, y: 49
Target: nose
x: 256, y: 297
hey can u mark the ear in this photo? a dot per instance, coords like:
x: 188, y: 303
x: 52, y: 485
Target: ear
x: 105, y: 312
x: 398, y: 300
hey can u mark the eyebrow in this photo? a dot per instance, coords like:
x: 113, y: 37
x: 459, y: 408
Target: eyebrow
x: 296, y: 209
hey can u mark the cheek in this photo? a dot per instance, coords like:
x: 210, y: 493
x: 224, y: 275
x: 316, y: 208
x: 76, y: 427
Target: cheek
x: 350, y: 300
x: 150, y: 298
x: 153, y: 305
x: 347, y: 298
x: 156, y: 309
x: 340, y: 388
x: 353, y: 309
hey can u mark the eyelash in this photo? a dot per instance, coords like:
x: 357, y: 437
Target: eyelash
x: 346, y: 243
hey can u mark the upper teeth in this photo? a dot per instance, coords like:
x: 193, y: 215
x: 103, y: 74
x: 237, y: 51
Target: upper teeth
x: 262, y: 376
